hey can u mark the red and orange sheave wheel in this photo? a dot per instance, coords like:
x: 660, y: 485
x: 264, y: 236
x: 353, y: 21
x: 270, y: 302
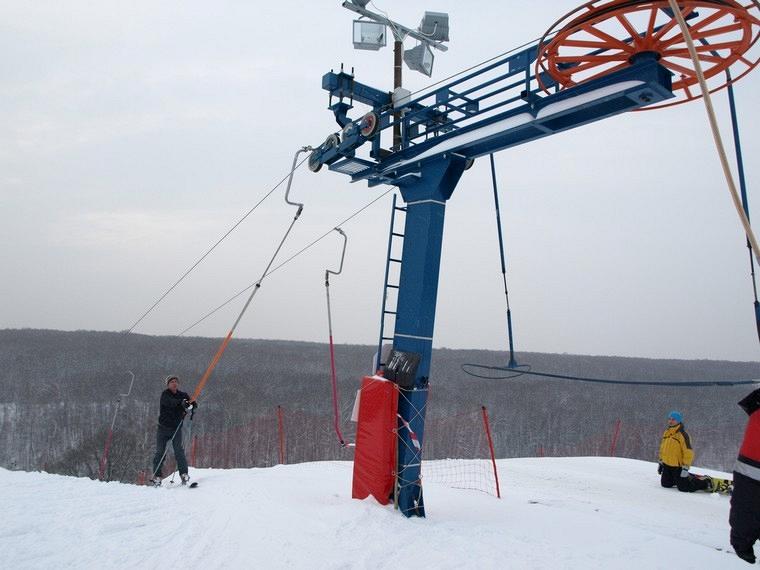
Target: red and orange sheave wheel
x: 603, y: 36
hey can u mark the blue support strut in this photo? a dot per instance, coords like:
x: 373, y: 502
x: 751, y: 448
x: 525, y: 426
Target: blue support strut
x: 743, y: 188
x: 425, y: 199
x: 512, y: 361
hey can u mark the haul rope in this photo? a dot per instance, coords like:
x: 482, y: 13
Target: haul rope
x: 257, y: 285
x: 714, y: 127
x: 336, y: 414
x: 212, y: 248
x: 288, y: 260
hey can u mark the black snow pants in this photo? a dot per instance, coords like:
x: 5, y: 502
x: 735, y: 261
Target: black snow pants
x: 745, y: 513
x: 163, y: 435
x: 671, y: 476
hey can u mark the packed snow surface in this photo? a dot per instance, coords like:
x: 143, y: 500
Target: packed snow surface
x: 555, y: 513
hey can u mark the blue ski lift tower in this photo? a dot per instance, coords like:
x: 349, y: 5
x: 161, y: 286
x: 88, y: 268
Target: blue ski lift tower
x: 605, y: 58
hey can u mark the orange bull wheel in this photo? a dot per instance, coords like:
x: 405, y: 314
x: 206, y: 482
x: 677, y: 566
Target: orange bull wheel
x: 603, y: 36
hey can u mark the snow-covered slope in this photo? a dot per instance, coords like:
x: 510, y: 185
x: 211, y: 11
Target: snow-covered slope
x: 555, y: 513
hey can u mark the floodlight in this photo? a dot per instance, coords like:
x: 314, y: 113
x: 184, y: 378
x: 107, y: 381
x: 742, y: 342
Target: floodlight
x: 369, y: 35
x: 420, y: 58
x: 435, y: 25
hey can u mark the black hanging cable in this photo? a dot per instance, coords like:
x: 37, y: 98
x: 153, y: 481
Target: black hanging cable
x: 512, y: 361
x: 513, y: 370
x: 511, y: 373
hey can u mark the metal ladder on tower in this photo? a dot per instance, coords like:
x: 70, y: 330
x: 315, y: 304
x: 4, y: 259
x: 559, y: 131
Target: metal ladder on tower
x: 394, y: 237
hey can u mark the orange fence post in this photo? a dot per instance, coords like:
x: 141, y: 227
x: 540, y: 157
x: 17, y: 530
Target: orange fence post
x: 613, y: 445
x: 104, y: 457
x: 490, y: 447
x: 281, y: 435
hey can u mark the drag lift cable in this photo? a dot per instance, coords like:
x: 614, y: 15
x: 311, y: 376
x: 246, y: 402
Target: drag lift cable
x: 740, y: 204
x: 288, y: 260
x: 288, y: 176
x: 707, y: 98
x: 740, y: 170
x: 257, y: 285
x: 328, y: 272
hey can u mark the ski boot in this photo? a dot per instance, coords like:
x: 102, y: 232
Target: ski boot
x: 185, y: 478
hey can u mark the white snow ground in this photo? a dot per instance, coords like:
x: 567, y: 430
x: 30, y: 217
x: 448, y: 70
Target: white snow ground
x: 555, y: 513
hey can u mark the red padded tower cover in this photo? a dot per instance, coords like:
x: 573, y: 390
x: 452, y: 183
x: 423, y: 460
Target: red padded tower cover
x: 375, y: 454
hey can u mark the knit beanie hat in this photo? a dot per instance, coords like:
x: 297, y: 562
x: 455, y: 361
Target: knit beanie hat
x: 676, y: 416
x: 170, y: 378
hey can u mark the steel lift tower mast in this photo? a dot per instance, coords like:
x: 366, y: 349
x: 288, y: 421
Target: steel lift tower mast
x: 605, y: 58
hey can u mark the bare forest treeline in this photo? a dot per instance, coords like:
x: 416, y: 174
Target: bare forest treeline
x: 58, y: 393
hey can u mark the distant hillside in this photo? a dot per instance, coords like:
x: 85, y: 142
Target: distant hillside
x: 58, y: 392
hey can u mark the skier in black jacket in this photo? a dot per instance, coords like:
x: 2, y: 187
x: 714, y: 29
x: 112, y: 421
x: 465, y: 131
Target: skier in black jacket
x: 174, y: 406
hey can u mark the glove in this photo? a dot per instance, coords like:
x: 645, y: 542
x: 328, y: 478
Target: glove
x: 659, y: 468
x: 188, y: 405
x: 685, y: 471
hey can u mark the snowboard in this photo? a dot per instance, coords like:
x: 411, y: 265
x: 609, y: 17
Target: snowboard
x: 718, y: 485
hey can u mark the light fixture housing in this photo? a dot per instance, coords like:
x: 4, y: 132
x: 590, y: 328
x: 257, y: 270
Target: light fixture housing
x: 435, y: 25
x: 369, y: 35
x: 420, y: 58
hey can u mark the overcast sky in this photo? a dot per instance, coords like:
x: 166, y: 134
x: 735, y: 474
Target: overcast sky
x: 132, y: 136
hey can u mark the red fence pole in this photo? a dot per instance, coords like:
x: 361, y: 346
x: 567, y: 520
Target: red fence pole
x: 104, y: 457
x: 613, y: 445
x: 490, y: 447
x: 281, y: 435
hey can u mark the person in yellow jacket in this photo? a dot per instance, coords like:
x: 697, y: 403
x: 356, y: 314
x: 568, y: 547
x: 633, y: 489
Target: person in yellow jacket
x: 676, y: 456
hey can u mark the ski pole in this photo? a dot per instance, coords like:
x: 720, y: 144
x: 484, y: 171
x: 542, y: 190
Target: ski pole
x: 166, y: 449
x: 189, y: 436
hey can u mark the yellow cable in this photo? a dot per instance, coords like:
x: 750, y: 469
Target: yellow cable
x: 714, y: 126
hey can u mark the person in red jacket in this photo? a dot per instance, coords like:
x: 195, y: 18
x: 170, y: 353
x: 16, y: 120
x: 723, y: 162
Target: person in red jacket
x: 744, y: 517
